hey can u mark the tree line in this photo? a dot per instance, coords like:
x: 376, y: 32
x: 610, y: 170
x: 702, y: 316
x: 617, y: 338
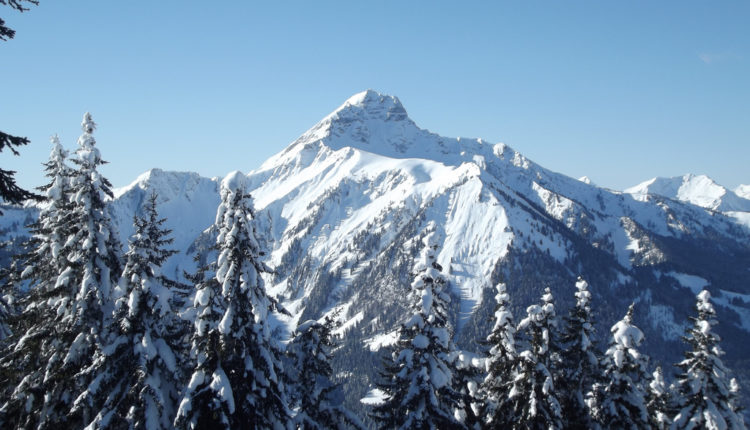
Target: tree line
x: 94, y: 338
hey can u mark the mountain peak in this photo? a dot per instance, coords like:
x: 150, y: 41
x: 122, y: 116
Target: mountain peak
x: 371, y: 105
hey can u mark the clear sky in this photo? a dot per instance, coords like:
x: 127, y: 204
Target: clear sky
x: 620, y: 91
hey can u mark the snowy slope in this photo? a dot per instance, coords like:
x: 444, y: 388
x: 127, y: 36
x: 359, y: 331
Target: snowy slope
x: 699, y: 190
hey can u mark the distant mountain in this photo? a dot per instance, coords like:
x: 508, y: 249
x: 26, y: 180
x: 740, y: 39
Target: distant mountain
x: 699, y: 190
x: 343, y: 209
x: 743, y: 191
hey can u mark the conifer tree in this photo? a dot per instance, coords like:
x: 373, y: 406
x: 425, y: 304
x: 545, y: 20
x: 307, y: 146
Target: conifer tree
x: 533, y: 398
x: 659, y: 401
x: 136, y: 379
x: 735, y: 399
x: 70, y: 269
x: 50, y: 232
x: 619, y: 400
x: 579, y: 364
x: 5, y: 313
x: 315, y: 393
x: 468, y: 376
x: 417, y: 379
x: 495, y: 389
x: 704, y: 392
x: 238, y: 381
x: 92, y: 268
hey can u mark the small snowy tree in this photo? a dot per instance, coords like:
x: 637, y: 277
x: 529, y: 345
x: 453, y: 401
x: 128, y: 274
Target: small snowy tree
x: 317, y: 398
x: 467, y: 378
x: 532, y: 397
x: 417, y: 379
x: 579, y: 363
x: 705, y: 398
x: 659, y: 401
x: 619, y: 400
x: 238, y: 378
x: 136, y: 374
x: 500, y: 363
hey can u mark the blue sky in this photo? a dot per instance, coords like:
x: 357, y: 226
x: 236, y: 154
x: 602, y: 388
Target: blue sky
x: 618, y: 91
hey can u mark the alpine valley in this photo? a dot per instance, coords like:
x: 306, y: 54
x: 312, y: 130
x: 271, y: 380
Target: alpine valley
x: 343, y: 210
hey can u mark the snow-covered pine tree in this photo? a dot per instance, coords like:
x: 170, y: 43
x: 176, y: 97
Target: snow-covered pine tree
x: 579, y: 360
x: 92, y: 267
x: 74, y: 255
x: 22, y: 364
x: 704, y: 393
x: 239, y: 379
x: 659, y: 401
x: 200, y: 407
x: 136, y: 381
x: 468, y: 376
x: 533, y: 397
x: 417, y: 379
x: 500, y: 363
x: 618, y: 401
x: 314, y: 392
x: 46, y: 260
x: 735, y: 399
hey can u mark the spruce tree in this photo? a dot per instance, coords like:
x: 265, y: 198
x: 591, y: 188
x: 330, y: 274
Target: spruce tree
x: 468, y: 375
x: 533, y: 397
x: 238, y: 381
x: 704, y: 392
x: 8, y: 33
x: 500, y: 363
x: 74, y: 259
x: 618, y: 401
x: 417, y: 378
x: 579, y: 363
x: 317, y: 398
x: 136, y: 379
x: 659, y: 401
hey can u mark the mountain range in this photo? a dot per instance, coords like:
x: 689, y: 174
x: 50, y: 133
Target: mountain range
x: 343, y: 208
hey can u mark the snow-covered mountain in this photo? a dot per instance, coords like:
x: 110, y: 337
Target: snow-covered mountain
x: 344, y: 207
x: 699, y: 190
x: 743, y: 191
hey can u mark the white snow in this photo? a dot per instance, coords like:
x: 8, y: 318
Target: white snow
x: 382, y: 340
x: 374, y: 397
x: 695, y: 283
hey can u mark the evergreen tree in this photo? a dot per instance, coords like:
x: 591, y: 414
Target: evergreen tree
x: 318, y: 399
x: 500, y: 364
x: 468, y: 376
x: 74, y: 262
x: 579, y: 364
x: 735, y: 399
x: 417, y: 379
x: 705, y: 398
x: 619, y: 400
x: 8, y: 33
x: 533, y: 398
x: 9, y: 191
x: 243, y: 385
x: 136, y: 374
x: 659, y: 401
